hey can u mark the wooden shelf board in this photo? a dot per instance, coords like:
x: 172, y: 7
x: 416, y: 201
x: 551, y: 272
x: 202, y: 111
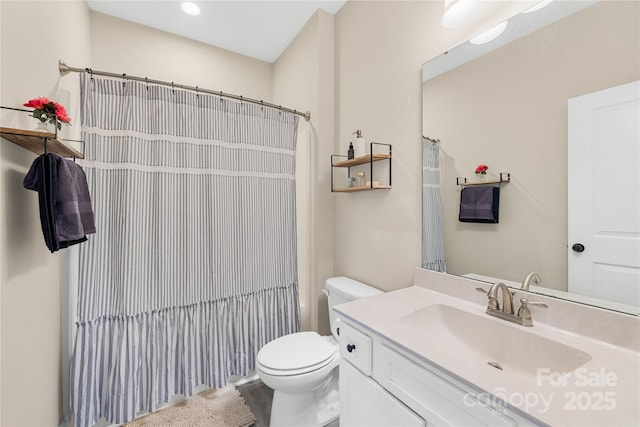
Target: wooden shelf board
x: 354, y: 189
x: 469, y: 183
x: 34, y: 141
x: 361, y: 160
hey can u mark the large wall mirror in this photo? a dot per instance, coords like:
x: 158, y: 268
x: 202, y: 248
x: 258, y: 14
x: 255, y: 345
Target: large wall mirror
x: 506, y: 104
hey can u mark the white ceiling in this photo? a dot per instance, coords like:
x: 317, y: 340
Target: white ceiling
x: 261, y: 29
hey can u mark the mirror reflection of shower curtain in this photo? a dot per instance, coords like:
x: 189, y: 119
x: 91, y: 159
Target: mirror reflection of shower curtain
x: 432, y: 228
x: 193, y: 267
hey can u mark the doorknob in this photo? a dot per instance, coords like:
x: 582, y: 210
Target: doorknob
x: 578, y: 247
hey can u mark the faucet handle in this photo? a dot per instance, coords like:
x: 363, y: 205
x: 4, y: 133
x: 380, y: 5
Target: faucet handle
x: 524, y: 312
x: 493, y: 301
x: 526, y: 302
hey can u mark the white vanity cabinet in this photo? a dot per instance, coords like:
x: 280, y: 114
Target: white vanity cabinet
x: 381, y: 385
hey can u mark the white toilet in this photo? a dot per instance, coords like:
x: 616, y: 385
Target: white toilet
x: 302, y: 368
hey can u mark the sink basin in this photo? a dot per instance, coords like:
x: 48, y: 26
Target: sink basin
x: 501, y: 344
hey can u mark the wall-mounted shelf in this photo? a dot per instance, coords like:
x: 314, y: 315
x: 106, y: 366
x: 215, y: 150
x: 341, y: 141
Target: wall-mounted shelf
x: 368, y: 159
x: 504, y: 178
x: 35, y: 142
x: 361, y: 160
x: 365, y: 188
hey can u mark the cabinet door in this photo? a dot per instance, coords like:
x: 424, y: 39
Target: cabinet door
x: 363, y: 403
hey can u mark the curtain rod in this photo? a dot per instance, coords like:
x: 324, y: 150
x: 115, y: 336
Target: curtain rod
x: 65, y: 69
x: 435, y: 141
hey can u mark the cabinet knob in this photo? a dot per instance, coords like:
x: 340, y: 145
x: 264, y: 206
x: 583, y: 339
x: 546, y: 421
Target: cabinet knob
x: 351, y: 347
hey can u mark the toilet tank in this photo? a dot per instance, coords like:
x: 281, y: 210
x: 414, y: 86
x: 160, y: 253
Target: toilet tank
x: 342, y: 289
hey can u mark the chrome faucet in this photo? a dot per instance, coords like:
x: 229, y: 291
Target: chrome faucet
x: 532, y: 277
x: 506, y: 312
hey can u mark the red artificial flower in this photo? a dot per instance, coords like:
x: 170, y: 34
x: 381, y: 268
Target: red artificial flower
x: 482, y: 169
x: 61, y: 113
x: 37, y: 103
x: 48, y: 111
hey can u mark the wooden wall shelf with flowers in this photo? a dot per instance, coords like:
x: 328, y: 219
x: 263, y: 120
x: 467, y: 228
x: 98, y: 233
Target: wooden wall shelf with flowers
x: 42, y: 140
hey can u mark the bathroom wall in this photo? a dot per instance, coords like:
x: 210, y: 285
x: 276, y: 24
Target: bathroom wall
x: 380, y: 49
x: 34, y: 35
x: 303, y: 78
x: 125, y: 47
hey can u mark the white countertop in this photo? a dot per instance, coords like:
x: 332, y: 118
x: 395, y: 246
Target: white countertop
x: 610, y: 380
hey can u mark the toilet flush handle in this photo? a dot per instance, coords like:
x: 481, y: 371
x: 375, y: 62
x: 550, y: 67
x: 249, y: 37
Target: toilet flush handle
x: 351, y: 347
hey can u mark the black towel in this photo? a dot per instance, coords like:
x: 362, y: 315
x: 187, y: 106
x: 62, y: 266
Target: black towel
x: 479, y: 204
x: 63, y: 195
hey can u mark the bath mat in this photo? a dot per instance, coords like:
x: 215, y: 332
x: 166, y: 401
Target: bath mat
x: 212, y: 408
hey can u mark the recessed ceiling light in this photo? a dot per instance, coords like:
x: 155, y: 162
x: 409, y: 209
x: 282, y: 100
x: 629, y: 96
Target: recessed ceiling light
x: 190, y: 8
x: 490, y: 34
x: 456, y: 11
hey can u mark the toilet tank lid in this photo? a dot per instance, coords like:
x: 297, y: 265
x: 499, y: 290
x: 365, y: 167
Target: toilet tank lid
x: 350, y: 289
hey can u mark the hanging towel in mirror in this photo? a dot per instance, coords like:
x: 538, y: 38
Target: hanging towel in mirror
x: 479, y: 204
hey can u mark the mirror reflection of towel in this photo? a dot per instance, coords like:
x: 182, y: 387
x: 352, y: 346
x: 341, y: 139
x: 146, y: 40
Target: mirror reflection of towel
x: 479, y: 204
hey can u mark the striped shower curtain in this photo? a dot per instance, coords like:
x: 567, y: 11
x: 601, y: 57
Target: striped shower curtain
x: 432, y: 229
x: 193, y: 267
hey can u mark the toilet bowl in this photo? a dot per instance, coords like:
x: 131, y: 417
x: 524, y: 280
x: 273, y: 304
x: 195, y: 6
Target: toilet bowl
x: 302, y: 368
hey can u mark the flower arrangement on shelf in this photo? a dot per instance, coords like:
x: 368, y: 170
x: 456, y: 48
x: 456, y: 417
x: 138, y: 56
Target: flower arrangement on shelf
x: 481, y: 169
x: 48, y: 111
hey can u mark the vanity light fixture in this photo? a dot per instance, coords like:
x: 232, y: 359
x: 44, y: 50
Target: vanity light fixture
x: 490, y: 34
x: 456, y: 11
x: 190, y: 8
x: 537, y: 6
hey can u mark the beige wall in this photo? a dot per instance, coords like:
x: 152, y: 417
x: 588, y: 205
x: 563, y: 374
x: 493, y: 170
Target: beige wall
x: 303, y: 78
x: 508, y: 109
x: 34, y: 35
x: 124, y: 47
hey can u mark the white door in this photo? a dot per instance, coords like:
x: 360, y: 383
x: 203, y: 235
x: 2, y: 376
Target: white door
x: 604, y: 194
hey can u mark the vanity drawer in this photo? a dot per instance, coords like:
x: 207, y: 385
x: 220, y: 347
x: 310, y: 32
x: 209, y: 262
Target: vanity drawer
x: 355, y: 346
x: 435, y: 399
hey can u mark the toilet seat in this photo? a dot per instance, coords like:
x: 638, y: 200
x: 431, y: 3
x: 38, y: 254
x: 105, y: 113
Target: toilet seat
x: 296, y: 354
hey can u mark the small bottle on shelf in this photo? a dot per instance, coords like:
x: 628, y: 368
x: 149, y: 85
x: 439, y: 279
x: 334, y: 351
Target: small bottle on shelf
x: 360, y: 146
x: 350, y: 151
x: 360, y: 182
